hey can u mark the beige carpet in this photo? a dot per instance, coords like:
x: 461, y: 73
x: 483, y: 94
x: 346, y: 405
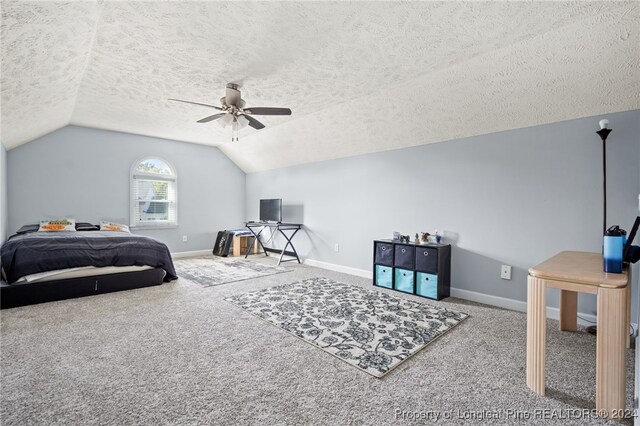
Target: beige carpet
x: 179, y: 354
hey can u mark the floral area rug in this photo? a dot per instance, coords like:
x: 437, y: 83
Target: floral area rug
x: 213, y: 270
x: 371, y: 330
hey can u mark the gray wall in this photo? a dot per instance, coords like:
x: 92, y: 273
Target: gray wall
x: 515, y: 197
x: 3, y: 194
x: 84, y: 173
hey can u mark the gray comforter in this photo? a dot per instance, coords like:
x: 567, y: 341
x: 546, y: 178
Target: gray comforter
x: 48, y: 251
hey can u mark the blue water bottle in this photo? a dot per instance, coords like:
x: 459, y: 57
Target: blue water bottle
x: 613, y: 247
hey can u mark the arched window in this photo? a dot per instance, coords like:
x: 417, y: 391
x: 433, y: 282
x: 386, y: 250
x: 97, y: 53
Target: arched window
x: 154, y: 193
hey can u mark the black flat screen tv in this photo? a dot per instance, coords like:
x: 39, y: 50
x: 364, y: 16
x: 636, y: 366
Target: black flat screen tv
x: 271, y: 210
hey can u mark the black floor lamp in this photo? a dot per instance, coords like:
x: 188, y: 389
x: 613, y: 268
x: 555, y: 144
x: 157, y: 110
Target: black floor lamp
x: 603, y: 133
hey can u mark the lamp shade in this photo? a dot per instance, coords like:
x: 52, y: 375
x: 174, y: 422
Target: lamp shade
x: 242, y: 122
x: 226, y: 120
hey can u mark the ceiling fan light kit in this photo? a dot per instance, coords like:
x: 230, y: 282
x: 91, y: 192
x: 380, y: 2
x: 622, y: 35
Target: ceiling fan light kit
x: 234, y: 112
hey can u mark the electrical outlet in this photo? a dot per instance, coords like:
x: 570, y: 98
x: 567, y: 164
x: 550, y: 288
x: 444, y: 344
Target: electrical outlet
x: 505, y: 272
x: 336, y: 248
x: 184, y: 238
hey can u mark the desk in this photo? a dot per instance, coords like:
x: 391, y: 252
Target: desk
x: 573, y: 272
x: 280, y: 227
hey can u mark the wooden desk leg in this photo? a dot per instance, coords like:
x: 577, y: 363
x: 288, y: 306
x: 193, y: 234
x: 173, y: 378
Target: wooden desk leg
x: 610, y: 348
x: 536, y: 333
x: 628, y: 321
x: 236, y: 246
x: 628, y: 312
x: 568, y: 310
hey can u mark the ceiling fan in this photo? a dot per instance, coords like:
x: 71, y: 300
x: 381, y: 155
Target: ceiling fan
x: 234, y: 112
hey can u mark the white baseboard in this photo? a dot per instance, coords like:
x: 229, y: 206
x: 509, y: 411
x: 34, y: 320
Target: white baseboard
x: 339, y: 268
x: 180, y: 254
x: 488, y: 299
x: 514, y: 305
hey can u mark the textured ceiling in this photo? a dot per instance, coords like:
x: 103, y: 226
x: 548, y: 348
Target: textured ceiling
x: 359, y: 77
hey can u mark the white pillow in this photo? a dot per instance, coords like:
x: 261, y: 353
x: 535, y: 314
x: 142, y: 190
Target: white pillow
x: 108, y: 226
x: 57, y: 225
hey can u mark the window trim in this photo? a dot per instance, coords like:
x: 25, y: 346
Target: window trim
x: 134, y: 173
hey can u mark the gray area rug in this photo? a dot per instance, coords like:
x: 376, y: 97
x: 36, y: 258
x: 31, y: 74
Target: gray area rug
x: 214, y: 270
x: 371, y: 330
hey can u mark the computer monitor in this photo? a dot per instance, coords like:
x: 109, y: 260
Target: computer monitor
x: 271, y: 210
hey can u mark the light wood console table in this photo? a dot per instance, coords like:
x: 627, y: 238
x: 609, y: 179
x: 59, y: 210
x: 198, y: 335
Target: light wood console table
x: 573, y: 272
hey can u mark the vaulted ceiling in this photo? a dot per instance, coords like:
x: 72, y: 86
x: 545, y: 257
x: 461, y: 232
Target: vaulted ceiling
x: 360, y: 77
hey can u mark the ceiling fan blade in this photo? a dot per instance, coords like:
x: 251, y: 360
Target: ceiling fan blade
x: 212, y: 117
x: 253, y: 122
x: 268, y: 111
x: 197, y: 103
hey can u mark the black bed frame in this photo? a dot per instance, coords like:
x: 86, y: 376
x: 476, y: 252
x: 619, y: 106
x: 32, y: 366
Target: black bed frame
x: 13, y: 295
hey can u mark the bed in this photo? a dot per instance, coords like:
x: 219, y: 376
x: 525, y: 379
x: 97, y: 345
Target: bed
x: 46, y: 266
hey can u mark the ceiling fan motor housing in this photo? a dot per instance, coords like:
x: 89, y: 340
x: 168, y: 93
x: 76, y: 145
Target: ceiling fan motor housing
x: 233, y: 97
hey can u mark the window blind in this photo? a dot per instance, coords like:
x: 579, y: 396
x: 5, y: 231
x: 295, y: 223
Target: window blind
x: 153, y: 199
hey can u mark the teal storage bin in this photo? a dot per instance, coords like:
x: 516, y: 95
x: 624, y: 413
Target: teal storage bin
x: 383, y: 276
x: 427, y: 285
x: 404, y: 280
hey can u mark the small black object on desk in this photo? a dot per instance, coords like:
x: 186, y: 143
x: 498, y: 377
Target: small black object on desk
x: 280, y: 227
